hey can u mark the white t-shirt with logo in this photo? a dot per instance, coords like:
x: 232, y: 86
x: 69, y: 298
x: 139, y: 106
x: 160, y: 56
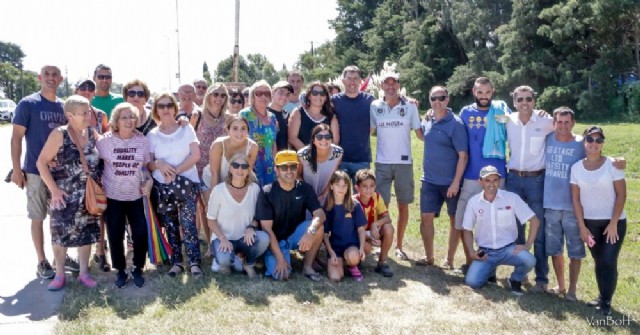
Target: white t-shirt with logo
x: 394, y: 126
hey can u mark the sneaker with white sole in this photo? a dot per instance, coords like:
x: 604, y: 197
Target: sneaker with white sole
x: 516, y: 287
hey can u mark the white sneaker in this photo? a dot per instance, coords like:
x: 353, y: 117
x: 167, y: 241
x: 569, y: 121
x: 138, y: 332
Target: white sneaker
x: 215, y: 267
x: 238, y: 264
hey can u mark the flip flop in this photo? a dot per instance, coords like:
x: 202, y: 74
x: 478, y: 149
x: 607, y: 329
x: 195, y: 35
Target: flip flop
x: 313, y: 276
x: 401, y: 255
x: 425, y: 262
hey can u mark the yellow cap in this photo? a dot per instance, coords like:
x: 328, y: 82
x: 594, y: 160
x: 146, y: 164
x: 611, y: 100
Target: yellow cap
x: 286, y: 157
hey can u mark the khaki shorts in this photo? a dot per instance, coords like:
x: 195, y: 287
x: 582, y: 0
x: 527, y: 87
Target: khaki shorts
x: 404, y: 186
x: 469, y: 188
x: 37, y: 198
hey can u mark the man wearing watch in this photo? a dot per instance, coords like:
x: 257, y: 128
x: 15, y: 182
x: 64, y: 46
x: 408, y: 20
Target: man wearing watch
x: 493, y: 212
x: 281, y: 210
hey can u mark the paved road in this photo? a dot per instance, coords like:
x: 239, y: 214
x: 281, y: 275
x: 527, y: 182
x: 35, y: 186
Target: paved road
x: 26, y: 307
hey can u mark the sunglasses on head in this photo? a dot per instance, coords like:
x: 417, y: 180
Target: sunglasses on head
x: 598, y: 140
x: 316, y: 93
x: 440, y: 98
x: 104, y: 77
x: 262, y: 94
x: 327, y: 137
x: 132, y: 94
x: 237, y: 165
x: 288, y: 167
x: 235, y: 101
x: 86, y: 87
x: 165, y: 106
x: 216, y: 94
x: 521, y: 99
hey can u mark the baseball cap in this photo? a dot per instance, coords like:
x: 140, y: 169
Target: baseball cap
x: 286, y: 157
x: 593, y: 130
x: 386, y: 75
x: 489, y: 170
x: 282, y: 84
x: 85, y: 81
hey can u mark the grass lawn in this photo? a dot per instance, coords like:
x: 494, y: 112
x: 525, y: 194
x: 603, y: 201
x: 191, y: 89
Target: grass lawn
x: 416, y: 300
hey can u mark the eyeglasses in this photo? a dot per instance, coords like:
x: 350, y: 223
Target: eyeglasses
x: 316, y: 93
x: 327, y: 137
x: 288, y: 167
x: 216, y: 94
x: 200, y: 87
x: 104, y: 77
x: 246, y: 95
x: 132, y: 94
x: 86, y: 87
x: 521, y: 99
x: 243, y: 166
x: 165, y: 106
x: 598, y: 140
x: 262, y: 94
x: 235, y: 101
x: 440, y: 98
x: 125, y: 118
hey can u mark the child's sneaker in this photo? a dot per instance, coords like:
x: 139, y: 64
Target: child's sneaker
x: 57, y: 283
x: 87, y: 281
x: 355, y: 273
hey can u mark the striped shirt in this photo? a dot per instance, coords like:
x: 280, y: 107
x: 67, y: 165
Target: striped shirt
x: 123, y: 163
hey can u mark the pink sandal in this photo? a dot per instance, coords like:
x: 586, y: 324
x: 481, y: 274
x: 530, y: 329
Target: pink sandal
x: 355, y: 273
x: 57, y: 283
x: 87, y: 281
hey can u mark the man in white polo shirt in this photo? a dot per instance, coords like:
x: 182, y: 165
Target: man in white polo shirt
x: 493, y: 212
x: 526, y: 134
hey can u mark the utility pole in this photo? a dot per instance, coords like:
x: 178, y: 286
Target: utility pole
x: 178, y: 43
x: 236, y: 47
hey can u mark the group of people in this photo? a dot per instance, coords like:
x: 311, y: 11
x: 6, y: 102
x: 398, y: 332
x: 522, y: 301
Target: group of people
x: 274, y: 169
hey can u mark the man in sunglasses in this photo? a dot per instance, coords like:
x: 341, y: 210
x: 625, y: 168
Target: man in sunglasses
x: 281, y: 210
x: 394, y: 118
x: 201, y: 88
x: 36, y: 115
x: 296, y: 80
x: 526, y: 134
x: 104, y: 99
x: 281, y: 92
x: 445, y: 158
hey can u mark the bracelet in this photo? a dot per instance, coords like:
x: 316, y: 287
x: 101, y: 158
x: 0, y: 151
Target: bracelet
x: 252, y: 227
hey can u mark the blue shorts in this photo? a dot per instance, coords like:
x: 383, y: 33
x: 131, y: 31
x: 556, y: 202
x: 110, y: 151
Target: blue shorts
x: 291, y: 243
x: 433, y: 196
x: 561, y: 225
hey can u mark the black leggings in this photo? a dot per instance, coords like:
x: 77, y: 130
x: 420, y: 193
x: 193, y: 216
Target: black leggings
x: 115, y: 216
x: 605, y: 256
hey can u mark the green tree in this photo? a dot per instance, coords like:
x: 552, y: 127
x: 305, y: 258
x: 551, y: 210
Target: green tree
x: 205, y: 73
x: 250, y: 70
x: 11, y: 53
x: 354, y: 18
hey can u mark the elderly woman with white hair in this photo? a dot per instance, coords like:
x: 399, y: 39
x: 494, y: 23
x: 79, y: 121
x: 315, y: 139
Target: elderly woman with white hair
x: 71, y: 223
x: 263, y: 129
x: 125, y: 152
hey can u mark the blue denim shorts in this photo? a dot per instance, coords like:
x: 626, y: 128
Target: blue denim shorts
x: 562, y: 225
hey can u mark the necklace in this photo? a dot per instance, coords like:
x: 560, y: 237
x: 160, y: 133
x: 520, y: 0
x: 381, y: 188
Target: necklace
x: 238, y: 188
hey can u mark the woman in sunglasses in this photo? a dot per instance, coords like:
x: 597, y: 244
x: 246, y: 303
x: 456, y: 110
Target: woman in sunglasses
x: 211, y: 125
x: 599, y: 192
x: 136, y: 92
x: 320, y: 160
x: 230, y: 212
x: 316, y: 109
x: 263, y: 129
x: 174, y: 152
x: 236, y: 101
x: 99, y: 120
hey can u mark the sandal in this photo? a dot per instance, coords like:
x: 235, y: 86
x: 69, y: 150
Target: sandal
x: 401, y: 255
x: 355, y: 273
x: 425, y: 262
x: 195, y: 271
x: 175, y: 270
x: 313, y: 276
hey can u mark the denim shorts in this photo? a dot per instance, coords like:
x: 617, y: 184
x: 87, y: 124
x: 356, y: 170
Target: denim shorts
x: 562, y: 225
x: 433, y: 196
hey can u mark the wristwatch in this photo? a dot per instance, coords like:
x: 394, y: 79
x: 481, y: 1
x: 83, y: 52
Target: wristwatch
x: 312, y: 230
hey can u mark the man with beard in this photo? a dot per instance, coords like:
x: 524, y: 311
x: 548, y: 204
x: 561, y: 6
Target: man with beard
x: 474, y: 117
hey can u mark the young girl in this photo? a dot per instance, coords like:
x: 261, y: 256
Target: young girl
x: 344, y: 229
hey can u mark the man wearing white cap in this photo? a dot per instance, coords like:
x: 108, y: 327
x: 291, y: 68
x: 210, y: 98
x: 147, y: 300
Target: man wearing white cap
x: 394, y: 117
x: 493, y: 212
